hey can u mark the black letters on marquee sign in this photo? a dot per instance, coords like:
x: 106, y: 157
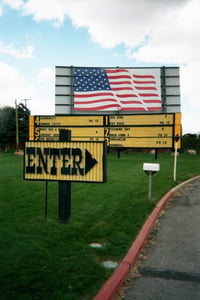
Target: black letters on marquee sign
x: 46, y: 160
x: 65, y: 161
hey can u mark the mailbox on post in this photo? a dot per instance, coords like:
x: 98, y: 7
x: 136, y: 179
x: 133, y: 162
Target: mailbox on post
x: 150, y: 169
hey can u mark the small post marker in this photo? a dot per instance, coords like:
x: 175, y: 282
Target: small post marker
x: 150, y: 169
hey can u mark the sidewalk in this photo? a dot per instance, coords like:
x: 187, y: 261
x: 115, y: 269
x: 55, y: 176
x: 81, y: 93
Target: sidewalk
x: 171, y: 270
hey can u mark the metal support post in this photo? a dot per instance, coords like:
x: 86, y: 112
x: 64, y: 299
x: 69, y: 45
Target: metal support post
x: 64, y: 191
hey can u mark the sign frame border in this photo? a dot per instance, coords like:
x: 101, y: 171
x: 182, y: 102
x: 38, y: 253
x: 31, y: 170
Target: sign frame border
x: 104, y: 162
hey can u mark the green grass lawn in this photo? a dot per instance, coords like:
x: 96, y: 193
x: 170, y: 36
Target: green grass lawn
x: 43, y: 259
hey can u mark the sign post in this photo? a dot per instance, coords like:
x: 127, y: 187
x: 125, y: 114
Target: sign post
x: 46, y: 199
x: 64, y: 187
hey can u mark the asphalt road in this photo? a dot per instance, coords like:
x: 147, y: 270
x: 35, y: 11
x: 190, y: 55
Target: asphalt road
x: 171, y: 270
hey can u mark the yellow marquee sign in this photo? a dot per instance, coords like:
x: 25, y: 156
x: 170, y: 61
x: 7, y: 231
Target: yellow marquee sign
x: 122, y: 131
x: 65, y: 161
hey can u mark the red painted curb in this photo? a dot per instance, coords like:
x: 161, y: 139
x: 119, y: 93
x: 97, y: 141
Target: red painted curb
x: 142, y: 236
x: 114, y: 282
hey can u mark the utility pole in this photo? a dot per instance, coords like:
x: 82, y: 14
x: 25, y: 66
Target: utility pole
x: 17, y: 127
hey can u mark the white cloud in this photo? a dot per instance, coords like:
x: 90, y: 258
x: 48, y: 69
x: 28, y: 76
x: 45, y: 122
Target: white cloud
x: 164, y: 31
x: 13, y: 85
x: 114, y: 22
x: 109, y: 22
x: 26, y: 52
x: 43, y: 97
x: 176, y: 40
x: 190, y: 84
x: 190, y: 104
x: 154, y: 32
x: 46, y: 74
x: 190, y: 91
x: 15, y: 4
x: 54, y: 11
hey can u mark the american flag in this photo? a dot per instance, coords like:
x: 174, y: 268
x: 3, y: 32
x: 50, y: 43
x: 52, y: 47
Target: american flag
x: 117, y: 89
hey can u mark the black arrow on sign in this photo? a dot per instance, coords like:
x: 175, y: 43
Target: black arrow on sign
x: 89, y: 161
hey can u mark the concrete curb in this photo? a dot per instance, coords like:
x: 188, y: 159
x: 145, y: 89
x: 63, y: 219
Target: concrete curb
x: 112, y: 285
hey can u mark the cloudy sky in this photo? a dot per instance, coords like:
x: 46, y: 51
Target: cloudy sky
x: 37, y: 35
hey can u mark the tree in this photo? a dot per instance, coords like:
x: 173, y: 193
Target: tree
x: 8, y: 125
x: 191, y: 141
x: 23, y: 122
